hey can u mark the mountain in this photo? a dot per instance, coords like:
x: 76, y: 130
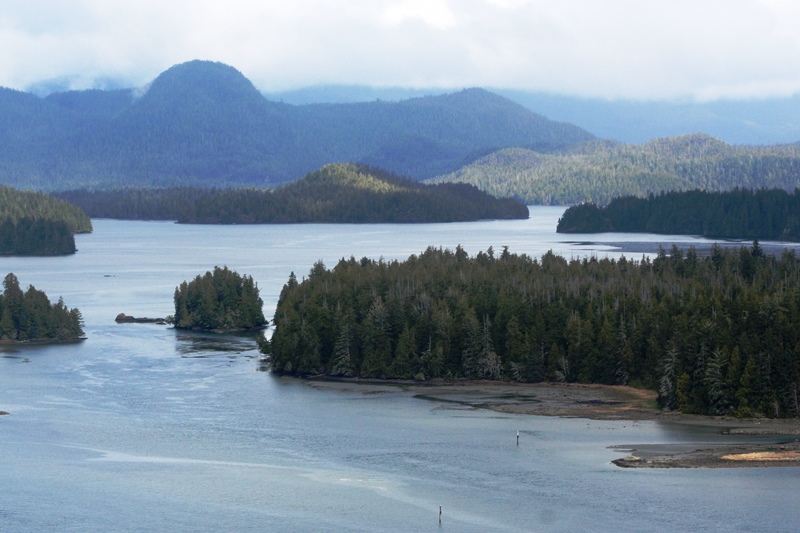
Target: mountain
x: 751, y: 122
x: 747, y: 122
x: 601, y: 170
x: 348, y: 94
x: 204, y: 124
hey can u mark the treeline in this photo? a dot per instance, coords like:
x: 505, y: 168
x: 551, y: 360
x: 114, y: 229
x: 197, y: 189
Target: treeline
x: 16, y: 205
x: 714, y: 335
x: 343, y: 193
x: 29, y: 316
x: 175, y: 203
x: 33, y: 223
x: 221, y: 300
x: 36, y: 237
x: 599, y: 171
x: 739, y: 214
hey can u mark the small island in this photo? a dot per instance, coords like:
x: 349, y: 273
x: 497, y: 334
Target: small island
x: 122, y: 318
x: 29, y: 317
x: 219, y: 301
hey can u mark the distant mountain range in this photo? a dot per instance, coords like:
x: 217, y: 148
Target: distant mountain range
x: 751, y: 122
x: 204, y: 124
x: 741, y: 122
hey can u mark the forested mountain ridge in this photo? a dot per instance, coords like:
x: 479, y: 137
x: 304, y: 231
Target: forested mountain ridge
x: 748, y: 121
x: 598, y: 171
x: 204, y: 124
x: 336, y: 193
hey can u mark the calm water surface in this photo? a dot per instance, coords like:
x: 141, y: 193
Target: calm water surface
x: 142, y: 428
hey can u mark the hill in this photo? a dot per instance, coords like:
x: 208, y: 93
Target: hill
x: 204, y: 124
x: 340, y: 193
x: 33, y: 223
x: 601, y: 170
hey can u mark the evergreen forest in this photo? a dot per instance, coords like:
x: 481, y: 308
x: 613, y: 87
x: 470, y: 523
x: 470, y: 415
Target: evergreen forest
x: 342, y: 193
x: 222, y: 300
x: 28, y: 316
x: 715, y: 335
x: 598, y: 171
x: 739, y: 214
x: 36, y: 237
x: 33, y: 223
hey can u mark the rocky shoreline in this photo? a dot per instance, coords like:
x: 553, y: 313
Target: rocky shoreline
x: 721, y: 456
x: 122, y: 318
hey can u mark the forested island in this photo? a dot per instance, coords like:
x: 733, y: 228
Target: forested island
x: 339, y: 193
x: 30, y: 317
x: 33, y: 223
x: 772, y: 214
x: 222, y: 300
x: 714, y: 335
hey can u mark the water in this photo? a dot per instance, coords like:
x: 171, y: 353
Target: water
x: 142, y: 428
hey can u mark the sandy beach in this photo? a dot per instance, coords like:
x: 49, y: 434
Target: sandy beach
x: 602, y: 402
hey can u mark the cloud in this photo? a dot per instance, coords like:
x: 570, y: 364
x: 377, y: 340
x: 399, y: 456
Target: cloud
x: 610, y: 49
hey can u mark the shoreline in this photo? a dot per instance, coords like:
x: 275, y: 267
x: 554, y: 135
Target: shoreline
x: 41, y: 342
x: 606, y: 402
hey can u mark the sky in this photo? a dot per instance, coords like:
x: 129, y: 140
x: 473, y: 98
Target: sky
x: 688, y: 50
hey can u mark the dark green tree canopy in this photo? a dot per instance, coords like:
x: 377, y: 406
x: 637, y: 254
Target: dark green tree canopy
x: 29, y: 316
x: 718, y: 334
x: 32, y: 223
x: 222, y: 300
x: 772, y: 214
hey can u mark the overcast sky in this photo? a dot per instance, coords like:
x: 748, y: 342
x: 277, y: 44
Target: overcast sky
x: 642, y: 49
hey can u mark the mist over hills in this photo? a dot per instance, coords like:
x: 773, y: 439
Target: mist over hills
x: 751, y: 122
x: 204, y: 124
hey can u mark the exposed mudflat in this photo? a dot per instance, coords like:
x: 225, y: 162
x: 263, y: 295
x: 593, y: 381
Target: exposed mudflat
x: 602, y: 402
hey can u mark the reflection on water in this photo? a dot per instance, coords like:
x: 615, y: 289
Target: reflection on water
x: 200, y: 344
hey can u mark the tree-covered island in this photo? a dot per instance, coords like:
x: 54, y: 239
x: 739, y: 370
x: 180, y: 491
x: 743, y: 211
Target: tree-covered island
x: 222, y: 300
x: 28, y: 316
x: 713, y: 335
x: 336, y: 193
x: 766, y: 214
x: 33, y: 223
